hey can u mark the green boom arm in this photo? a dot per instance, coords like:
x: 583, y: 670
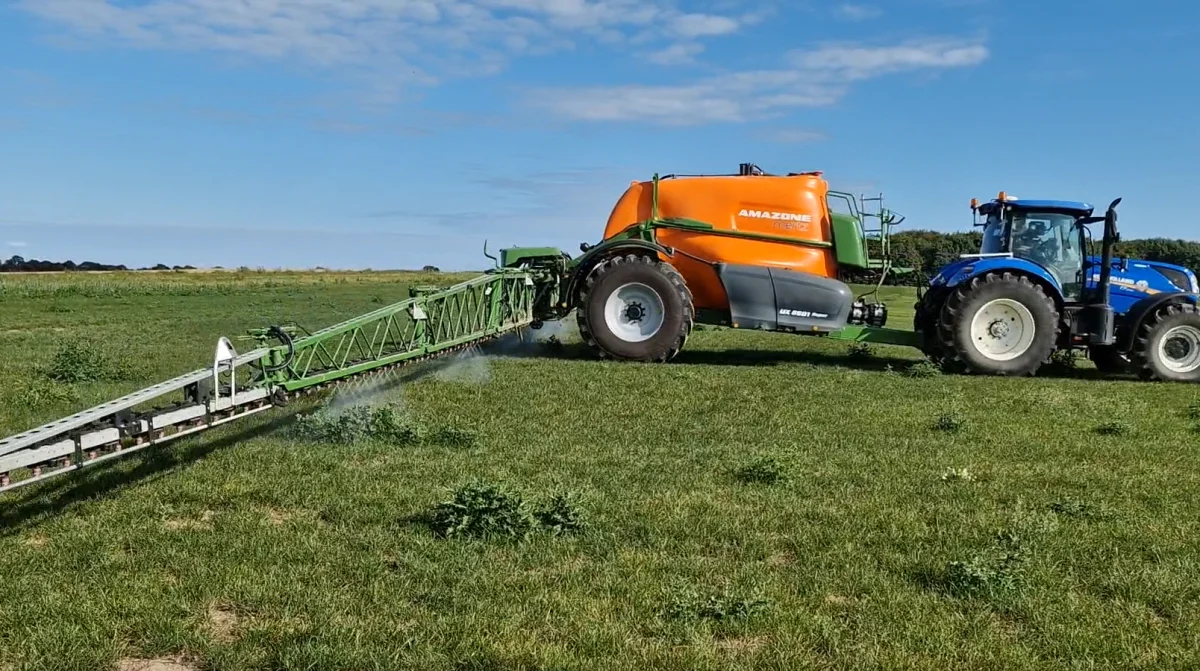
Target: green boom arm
x: 428, y: 323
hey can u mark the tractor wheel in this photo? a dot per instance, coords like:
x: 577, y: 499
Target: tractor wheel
x: 1168, y: 345
x: 636, y: 308
x: 999, y: 324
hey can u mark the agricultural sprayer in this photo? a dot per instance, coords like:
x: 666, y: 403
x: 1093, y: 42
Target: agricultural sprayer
x: 747, y: 250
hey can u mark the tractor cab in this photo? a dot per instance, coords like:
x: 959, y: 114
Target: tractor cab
x: 1046, y: 232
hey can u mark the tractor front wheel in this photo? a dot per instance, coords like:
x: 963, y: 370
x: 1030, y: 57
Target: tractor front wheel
x: 999, y: 324
x: 1168, y: 345
x: 636, y: 308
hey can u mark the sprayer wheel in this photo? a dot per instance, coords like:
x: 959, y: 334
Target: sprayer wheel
x: 635, y: 308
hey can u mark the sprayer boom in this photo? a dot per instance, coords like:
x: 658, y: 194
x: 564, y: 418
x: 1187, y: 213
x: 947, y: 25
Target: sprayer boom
x: 430, y: 323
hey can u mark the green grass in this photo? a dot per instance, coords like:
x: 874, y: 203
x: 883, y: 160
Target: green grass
x: 768, y: 502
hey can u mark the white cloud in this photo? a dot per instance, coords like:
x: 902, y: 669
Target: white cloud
x: 676, y: 54
x: 18, y: 245
x: 698, y: 25
x: 858, y: 12
x: 815, y: 78
x: 391, y: 42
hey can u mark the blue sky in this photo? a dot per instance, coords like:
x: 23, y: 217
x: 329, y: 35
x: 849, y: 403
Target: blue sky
x: 396, y: 133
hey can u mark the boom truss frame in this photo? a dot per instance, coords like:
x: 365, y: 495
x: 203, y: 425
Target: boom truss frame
x: 431, y: 322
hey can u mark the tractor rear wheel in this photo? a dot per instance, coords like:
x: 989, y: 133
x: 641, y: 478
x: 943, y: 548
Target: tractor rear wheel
x: 1167, y: 347
x: 999, y: 324
x: 636, y: 308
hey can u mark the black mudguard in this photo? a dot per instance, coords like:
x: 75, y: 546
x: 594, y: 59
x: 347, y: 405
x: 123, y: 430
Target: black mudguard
x: 775, y: 299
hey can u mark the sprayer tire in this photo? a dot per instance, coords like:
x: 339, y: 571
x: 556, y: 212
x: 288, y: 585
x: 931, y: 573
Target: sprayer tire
x: 659, y: 283
x: 1029, y: 308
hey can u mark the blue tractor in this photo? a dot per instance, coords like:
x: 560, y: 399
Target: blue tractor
x: 1033, y: 290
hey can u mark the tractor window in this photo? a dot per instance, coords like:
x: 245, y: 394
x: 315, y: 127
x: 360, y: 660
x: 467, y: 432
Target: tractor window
x: 993, y: 236
x: 1051, y: 241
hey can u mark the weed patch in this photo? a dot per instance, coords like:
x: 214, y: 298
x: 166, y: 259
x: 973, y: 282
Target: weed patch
x: 1000, y: 565
x: 1114, y: 429
x: 1071, y: 507
x: 488, y: 510
x: 35, y: 393
x: 561, y: 514
x: 1064, y: 360
x: 957, y: 475
x: 482, y: 510
x: 764, y: 470
x: 948, y: 422
x: 450, y: 436
x: 922, y: 369
x: 358, y: 423
x: 688, y: 605
x: 80, y: 360
x: 860, y: 350
x: 1193, y: 410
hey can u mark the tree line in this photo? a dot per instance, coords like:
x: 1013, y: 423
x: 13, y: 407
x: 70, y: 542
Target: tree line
x: 927, y: 251
x: 923, y: 250
x: 18, y: 264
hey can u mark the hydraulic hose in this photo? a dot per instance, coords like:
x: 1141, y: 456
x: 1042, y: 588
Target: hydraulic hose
x: 283, y: 337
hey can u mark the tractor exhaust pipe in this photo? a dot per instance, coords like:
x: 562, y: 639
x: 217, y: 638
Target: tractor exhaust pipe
x: 1111, y: 237
x: 1103, y: 322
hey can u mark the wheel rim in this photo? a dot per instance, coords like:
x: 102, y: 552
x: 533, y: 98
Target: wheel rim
x: 634, y: 312
x: 1179, y: 349
x: 1002, y: 329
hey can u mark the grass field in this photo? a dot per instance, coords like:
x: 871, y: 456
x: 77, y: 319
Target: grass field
x: 768, y: 502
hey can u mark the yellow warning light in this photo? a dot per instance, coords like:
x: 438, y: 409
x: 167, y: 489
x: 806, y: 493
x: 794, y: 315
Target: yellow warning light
x: 1003, y: 197
x: 974, y: 203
